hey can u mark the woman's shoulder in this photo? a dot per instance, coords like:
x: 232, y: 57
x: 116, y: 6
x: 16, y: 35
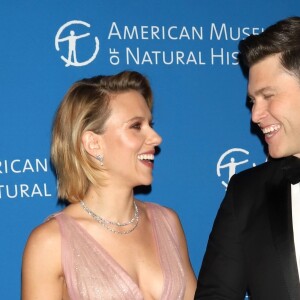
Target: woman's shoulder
x: 167, y: 212
x: 43, y: 248
x: 42, y: 253
x: 161, y: 207
x: 45, y: 234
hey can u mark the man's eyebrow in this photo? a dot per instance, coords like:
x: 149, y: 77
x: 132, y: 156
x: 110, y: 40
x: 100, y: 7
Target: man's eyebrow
x: 260, y: 91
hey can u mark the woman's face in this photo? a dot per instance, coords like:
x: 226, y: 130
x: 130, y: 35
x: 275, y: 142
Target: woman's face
x: 129, y: 141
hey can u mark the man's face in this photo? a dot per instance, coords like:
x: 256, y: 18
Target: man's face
x: 275, y: 94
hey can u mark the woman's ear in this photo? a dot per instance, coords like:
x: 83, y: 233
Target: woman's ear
x: 91, y: 143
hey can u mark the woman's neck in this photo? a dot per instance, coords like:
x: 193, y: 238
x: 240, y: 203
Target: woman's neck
x: 110, y: 203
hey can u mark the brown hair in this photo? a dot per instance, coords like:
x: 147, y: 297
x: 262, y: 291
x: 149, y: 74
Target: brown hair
x: 86, y: 107
x: 281, y: 38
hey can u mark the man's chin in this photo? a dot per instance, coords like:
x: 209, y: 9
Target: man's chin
x: 276, y: 154
x: 280, y: 154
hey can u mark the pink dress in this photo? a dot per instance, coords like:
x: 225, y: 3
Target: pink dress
x: 91, y: 273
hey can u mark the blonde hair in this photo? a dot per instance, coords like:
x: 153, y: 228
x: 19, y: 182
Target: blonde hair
x: 86, y: 107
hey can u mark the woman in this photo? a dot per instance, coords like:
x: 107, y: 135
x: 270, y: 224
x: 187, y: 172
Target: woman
x: 106, y: 244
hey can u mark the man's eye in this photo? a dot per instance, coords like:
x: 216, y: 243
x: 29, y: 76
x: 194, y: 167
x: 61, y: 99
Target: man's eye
x: 269, y: 96
x: 251, y: 100
x: 151, y: 124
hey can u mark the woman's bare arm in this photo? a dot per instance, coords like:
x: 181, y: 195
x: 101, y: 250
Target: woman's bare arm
x: 41, y: 268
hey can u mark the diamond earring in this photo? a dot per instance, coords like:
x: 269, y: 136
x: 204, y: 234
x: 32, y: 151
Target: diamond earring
x: 100, y: 158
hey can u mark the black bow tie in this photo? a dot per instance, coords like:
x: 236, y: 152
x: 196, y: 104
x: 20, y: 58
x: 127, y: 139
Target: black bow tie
x: 292, y: 169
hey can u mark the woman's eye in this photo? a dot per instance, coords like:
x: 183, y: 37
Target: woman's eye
x: 151, y: 124
x: 136, y: 125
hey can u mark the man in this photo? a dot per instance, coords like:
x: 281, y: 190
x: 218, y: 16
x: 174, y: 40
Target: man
x: 254, y: 245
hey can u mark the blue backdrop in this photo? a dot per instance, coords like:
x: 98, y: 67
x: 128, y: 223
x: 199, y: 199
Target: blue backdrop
x: 187, y: 49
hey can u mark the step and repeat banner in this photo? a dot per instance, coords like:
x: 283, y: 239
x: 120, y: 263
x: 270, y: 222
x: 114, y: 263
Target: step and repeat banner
x: 186, y: 48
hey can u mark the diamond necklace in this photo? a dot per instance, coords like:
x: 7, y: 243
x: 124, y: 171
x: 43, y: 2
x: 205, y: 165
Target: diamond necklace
x: 105, y: 223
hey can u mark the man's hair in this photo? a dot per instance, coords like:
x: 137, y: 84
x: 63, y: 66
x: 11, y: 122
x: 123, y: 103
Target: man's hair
x: 86, y: 107
x: 281, y: 38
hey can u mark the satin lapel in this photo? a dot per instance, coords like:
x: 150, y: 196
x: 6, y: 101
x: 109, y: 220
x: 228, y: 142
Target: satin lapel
x: 280, y: 212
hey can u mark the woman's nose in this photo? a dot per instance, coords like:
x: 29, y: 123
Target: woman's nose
x: 154, y: 138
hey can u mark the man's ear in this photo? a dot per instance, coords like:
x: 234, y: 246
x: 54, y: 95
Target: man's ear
x: 91, y: 143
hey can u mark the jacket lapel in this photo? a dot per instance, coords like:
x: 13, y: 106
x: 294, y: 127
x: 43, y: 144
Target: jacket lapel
x: 280, y: 212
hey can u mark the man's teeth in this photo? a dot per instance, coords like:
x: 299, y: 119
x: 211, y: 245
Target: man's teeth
x: 271, y: 128
x: 146, y: 156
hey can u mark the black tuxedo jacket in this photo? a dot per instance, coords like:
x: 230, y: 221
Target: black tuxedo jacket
x: 251, y: 246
